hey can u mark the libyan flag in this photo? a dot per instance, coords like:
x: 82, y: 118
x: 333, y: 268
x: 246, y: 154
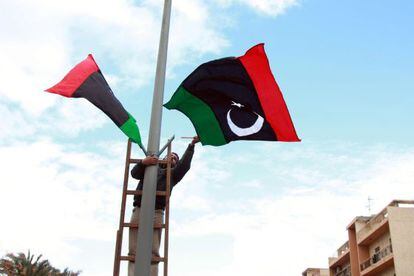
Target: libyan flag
x: 235, y: 99
x: 86, y: 80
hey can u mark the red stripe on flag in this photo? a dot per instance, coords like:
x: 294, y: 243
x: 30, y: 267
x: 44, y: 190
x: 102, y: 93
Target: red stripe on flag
x: 74, y: 79
x: 257, y: 66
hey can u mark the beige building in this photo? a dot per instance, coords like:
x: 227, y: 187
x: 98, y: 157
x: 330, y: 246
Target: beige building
x: 380, y: 245
x: 316, y: 272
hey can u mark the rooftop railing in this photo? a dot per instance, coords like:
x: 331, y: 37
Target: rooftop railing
x: 343, y: 249
x: 372, y: 224
x: 380, y: 217
x: 402, y: 203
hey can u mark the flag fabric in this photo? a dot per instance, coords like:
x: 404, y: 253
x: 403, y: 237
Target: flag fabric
x: 86, y: 80
x: 235, y: 99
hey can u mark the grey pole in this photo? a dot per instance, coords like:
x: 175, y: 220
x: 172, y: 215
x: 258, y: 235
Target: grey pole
x: 146, y: 218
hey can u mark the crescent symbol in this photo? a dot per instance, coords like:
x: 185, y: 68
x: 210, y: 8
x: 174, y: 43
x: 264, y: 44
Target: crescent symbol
x: 240, y: 131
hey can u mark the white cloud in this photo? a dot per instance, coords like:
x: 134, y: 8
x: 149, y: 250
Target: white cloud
x: 33, y: 50
x: 73, y: 117
x: 302, y: 224
x: 44, y: 39
x: 266, y: 7
x: 14, y: 123
x: 52, y: 195
x: 42, y: 36
x: 65, y: 193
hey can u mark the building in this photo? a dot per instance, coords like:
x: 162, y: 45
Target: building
x: 341, y: 265
x: 379, y: 245
x: 316, y: 272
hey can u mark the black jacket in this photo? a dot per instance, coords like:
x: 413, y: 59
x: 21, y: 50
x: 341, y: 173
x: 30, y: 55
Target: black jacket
x: 177, y: 173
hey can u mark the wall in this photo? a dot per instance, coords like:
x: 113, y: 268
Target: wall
x: 401, y: 221
x: 389, y: 272
x: 353, y: 252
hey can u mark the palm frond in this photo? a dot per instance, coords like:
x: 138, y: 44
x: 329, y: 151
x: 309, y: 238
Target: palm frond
x: 23, y: 265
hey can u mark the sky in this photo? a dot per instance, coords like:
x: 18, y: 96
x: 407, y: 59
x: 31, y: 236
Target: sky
x: 247, y: 208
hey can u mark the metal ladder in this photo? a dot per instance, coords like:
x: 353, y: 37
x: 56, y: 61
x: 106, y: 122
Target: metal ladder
x: 123, y: 224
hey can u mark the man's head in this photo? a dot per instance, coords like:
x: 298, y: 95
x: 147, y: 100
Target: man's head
x: 174, y: 158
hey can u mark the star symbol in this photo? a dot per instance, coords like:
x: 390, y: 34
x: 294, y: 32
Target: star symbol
x: 239, y: 105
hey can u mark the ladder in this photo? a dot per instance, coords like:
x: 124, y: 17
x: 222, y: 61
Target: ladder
x: 123, y: 224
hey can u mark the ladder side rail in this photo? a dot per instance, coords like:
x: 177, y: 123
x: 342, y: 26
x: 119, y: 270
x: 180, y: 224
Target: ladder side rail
x: 167, y: 211
x: 118, y: 245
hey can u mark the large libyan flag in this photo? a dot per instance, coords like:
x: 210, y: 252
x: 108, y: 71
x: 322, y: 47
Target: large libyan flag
x: 86, y: 80
x: 235, y: 99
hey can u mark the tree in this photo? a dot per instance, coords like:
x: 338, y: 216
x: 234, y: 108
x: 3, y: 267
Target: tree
x: 22, y: 265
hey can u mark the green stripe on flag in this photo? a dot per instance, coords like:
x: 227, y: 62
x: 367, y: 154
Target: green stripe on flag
x: 131, y: 130
x: 200, y: 114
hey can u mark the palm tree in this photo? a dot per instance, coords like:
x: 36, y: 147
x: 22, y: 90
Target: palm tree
x: 22, y: 265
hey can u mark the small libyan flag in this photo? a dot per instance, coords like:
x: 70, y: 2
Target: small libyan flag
x: 86, y: 80
x: 235, y: 99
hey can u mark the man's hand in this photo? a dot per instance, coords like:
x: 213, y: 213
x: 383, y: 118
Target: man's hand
x: 195, y: 140
x: 150, y: 160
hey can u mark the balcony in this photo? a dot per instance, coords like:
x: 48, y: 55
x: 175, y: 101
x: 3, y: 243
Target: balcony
x: 378, y: 262
x: 345, y: 271
x: 339, y: 261
x: 342, y: 256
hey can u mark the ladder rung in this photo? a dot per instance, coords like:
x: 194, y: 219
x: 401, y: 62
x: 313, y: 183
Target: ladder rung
x: 135, y: 192
x: 135, y: 225
x: 134, y: 161
x: 132, y: 259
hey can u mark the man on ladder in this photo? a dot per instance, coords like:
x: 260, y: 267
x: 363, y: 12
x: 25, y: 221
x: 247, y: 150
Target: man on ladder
x: 178, y: 170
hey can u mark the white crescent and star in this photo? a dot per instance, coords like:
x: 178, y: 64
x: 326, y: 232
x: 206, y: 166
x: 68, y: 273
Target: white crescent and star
x: 244, y: 131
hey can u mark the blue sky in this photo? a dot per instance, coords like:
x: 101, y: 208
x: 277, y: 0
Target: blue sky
x: 345, y: 69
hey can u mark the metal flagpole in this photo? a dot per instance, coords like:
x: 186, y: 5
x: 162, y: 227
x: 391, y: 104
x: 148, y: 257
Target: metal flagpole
x: 146, y: 218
